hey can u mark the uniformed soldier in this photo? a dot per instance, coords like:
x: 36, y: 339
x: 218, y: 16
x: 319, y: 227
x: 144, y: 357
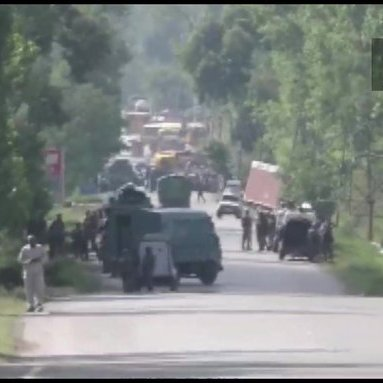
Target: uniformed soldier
x: 246, y: 231
x: 130, y: 271
x: 33, y: 257
x: 90, y: 230
x: 261, y: 229
x: 79, y: 243
x: 56, y: 237
x: 147, y: 269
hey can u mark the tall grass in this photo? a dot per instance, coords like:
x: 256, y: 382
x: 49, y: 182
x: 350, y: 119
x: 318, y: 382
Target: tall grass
x: 11, y: 308
x: 359, y: 264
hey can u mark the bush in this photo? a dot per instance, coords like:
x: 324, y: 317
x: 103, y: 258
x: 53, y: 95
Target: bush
x: 11, y: 308
x: 66, y: 272
x: 359, y: 265
x: 10, y: 269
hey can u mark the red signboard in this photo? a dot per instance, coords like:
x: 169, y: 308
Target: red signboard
x: 53, y: 162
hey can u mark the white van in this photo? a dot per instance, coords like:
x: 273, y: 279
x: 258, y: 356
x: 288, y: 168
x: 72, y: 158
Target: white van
x: 233, y: 187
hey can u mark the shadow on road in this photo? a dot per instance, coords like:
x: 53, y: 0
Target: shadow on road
x: 199, y: 311
x: 187, y: 356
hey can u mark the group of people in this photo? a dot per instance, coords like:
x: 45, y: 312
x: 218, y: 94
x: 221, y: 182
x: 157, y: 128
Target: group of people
x: 83, y: 236
x: 265, y: 226
x: 270, y: 228
x: 33, y: 254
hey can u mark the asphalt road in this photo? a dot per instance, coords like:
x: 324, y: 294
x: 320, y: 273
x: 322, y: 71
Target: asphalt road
x: 262, y: 318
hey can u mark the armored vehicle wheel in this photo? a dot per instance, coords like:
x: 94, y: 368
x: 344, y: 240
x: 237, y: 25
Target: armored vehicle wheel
x: 208, y: 274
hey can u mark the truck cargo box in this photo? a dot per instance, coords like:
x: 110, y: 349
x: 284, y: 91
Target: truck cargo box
x: 263, y: 185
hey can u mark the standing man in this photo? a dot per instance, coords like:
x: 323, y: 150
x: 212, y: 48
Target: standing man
x: 261, y: 228
x: 271, y: 230
x: 90, y: 230
x: 130, y: 271
x: 56, y: 236
x: 32, y: 257
x: 79, y: 244
x: 147, y: 268
x: 246, y: 231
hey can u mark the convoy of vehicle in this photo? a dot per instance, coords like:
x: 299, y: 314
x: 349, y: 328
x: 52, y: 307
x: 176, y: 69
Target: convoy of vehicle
x: 186, y: 235
x: 183, y: 240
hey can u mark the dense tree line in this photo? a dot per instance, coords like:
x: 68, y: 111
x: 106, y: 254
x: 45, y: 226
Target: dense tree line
x: 60, y: 70
x: 290, y: 84
x: 156, y: 35
x: 298, y: 79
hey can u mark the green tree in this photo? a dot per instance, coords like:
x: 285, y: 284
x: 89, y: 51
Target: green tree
x: 92, y: 133
x: 14, y: 196
x: 219, y: 155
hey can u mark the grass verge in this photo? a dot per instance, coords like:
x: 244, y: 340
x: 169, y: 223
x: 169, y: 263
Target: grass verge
x: 67, y: 272
x: 11, y: 307
x: 86, y: 199
x: 359, y: 265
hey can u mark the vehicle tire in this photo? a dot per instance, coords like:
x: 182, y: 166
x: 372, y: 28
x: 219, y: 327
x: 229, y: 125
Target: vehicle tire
x: 208, y: 274
x: 219, y: 215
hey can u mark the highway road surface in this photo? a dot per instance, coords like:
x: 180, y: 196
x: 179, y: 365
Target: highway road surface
x: 262, y: 318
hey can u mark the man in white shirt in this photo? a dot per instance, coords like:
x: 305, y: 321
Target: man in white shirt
x: 33, y: 257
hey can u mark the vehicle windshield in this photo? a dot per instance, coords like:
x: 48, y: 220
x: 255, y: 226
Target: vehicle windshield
x: 230, y: 198
x: 192, y: 227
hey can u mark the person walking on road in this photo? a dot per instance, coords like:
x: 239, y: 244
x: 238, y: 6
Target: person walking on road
x: 246, y: 231
x: 33, y: 257
x: 147, y: 269
x: 200, y: 191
